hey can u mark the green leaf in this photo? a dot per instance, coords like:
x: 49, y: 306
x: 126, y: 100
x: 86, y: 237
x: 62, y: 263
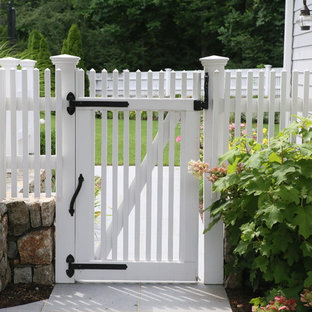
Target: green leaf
x: 308, y: 280
x: 291, y: 255
x: 281, y: 173
x: 305, y: 167
x: 248, y: 231
x: 306, y: 248
x: 241, y: 247
x: 272, y: 214
x: 304, y: 221
x: 261, y: 263
x: 275, y: 158
x: 288, y: 194
x: 281, y: 271
x: 280, y: 239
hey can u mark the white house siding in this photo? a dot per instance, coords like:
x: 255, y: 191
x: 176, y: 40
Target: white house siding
x: 301, y: 45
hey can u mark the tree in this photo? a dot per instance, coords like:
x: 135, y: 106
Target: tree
x: 252, y: 33
x: 33, y: 45
x: 73, y: 45
x: 154, y: 34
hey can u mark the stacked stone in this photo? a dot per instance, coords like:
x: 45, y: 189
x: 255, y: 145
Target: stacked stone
x: 5, y: 272
x: 31, y: 240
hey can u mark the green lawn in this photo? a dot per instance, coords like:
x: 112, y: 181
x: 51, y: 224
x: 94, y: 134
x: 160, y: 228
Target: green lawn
x: 131, y: 142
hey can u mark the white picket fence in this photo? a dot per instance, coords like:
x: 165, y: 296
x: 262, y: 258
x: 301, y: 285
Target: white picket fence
x: 21, y: 109
x: 104, y: 80
x: 225, y: 105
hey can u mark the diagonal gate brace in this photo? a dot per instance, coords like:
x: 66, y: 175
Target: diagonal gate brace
x: 72, y: 266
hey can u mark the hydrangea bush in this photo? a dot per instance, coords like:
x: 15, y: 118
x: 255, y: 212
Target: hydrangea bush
x: 265, y: 203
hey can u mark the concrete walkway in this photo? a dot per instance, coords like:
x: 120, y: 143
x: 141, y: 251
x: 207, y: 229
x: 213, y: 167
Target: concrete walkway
x: 118, y: 297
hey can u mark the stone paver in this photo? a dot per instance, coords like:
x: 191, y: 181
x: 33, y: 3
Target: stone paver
x: 119, y: 297
x: 31, y: 307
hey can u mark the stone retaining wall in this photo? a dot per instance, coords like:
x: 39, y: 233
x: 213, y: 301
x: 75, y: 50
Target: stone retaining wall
x: 5, y: 272
x: 27, y: 245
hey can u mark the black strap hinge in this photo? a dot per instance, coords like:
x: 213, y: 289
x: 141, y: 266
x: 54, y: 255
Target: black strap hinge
x: 85, y: 103
x: 72, y: 266
x: 198, y: 104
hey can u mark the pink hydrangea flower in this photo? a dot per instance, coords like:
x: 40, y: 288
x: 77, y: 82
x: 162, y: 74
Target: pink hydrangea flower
x: 178, y: 138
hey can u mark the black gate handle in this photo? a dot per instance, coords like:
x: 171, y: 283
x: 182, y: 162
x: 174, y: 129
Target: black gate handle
x: 72, y: 202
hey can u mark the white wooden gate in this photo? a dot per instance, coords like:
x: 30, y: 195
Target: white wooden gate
x: 149, y: 212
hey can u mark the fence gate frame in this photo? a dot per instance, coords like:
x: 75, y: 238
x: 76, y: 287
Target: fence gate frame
x: 210, y: 268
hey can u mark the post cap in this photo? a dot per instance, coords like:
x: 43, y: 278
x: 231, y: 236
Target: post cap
x: 9, y: 62
x: 28, y: 63
x: 214, y: 60
x: 65, y: 59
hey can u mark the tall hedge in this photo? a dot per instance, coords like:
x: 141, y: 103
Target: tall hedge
x: 34, y: 44
x: 73, y: 45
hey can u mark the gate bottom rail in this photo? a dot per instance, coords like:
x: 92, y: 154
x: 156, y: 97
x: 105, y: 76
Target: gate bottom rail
x: 72, y: 266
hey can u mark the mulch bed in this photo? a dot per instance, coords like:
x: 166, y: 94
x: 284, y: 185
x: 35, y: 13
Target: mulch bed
x: 17, y: 294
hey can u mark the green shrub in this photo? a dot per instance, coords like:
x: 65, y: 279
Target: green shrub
x: 266, y: 206
x: 42, y: 142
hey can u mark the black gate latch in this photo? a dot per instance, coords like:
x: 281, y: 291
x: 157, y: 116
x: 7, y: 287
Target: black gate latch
x: 83, y: 103
x: 198, y: 104
x: 72, y: 266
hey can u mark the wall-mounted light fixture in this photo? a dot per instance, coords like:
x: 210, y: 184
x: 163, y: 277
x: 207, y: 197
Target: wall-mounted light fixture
x: 305, y: 18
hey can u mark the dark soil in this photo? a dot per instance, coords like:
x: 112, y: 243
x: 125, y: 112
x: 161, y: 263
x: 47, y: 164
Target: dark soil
x: 17, y: 294
x: 239, y: 299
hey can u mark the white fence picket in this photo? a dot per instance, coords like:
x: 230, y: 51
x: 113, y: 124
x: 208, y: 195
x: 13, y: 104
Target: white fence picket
x: 249, y: 107
x: 161, y: 84
x: 138, y: 83
x: 238, y: 99
x: 13, y: 133
x: 115, y: 141
x: 271, y: 128
x: 126, y: 83
x: 306, y: 93
x: 125, y: 186
x: 283, y: 100
x: 105, y: 243
x: 137, y: 233
x: 294, y: 103
x: 171, y: 185
x: 92, y: 82
x: 58, y: 132
x: 227, y: 98
x: 104, y: 83
x: 47, y: 91
x: 149, y: 140
x: 260, y: 107
x: 115, y: 83
x: 160, y: 184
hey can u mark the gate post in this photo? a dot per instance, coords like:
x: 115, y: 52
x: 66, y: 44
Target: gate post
x: 211, y: 270
x: 65, y: 225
